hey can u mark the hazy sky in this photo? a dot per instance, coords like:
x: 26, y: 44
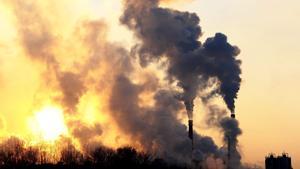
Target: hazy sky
x: 266, y: 31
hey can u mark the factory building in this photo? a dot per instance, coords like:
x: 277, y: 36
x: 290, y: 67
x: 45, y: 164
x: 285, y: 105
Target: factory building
x: 278, y: 162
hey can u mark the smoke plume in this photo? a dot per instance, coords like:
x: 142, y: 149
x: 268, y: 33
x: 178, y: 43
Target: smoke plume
x: 174, y: 34
x: 39, y: 42
x: 230, y: 129
x: 72, y: 88
x: 134, y: 98
x: 156, y: 127
x: 86, y: 133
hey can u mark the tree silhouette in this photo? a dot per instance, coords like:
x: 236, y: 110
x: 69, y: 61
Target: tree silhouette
x: 15, y: 155
x: 30, y: 156
x: 103, y: 156
x: 71, y: 156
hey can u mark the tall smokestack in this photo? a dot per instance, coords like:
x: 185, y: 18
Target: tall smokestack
x: 232, y: 115
x: 191, y: 134
x: 229, y: 153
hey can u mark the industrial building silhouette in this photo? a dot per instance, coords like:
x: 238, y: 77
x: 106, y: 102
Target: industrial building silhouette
x: 278, y: 162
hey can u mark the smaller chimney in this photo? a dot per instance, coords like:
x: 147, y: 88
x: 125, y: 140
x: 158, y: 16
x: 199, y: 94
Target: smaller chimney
x: 229, y: 146
x: 191, y: 134
x: 228, y: 153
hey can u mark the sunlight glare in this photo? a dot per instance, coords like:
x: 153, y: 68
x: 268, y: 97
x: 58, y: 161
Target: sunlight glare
x: 49, y: 123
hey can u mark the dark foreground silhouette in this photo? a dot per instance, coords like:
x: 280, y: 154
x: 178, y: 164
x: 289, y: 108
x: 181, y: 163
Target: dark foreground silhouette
x: 14, y: 155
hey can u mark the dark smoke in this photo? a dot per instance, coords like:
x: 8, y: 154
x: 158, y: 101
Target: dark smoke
x: 156, y: 127
x: 86, y: 133
x: 226, y: 67
x: 164, y: 33
x: 230, y: 129
x: 72, y: 88
x: 174, y: 34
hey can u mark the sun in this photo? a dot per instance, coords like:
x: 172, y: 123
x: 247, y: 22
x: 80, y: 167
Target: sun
x: 49, y: 123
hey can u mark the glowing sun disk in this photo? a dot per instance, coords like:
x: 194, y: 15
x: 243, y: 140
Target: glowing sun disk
x: 49, y: 123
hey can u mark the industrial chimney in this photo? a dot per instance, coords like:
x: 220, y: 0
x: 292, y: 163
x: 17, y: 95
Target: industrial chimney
x: 229, y: 145
x: 191, y: 133
x: 195, y: 163
x: 229, y: 154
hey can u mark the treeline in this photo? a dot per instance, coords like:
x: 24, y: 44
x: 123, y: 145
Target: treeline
x: 15, y: 155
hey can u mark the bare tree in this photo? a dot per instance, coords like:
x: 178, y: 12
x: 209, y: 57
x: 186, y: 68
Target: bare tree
x: 71, y: 156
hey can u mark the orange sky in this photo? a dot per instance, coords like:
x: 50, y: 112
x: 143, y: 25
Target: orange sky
x: 265, y: 31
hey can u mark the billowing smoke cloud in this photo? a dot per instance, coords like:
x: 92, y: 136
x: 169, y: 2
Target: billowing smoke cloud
x: 157, y: 127
x: 73, y: 88
x: 38, y: 41
x: 230, y: 129
x: 174, y: 35
x: 164, y: 34
x: 35, y: 35
x: 226, y: 67
x: 86, y: 134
